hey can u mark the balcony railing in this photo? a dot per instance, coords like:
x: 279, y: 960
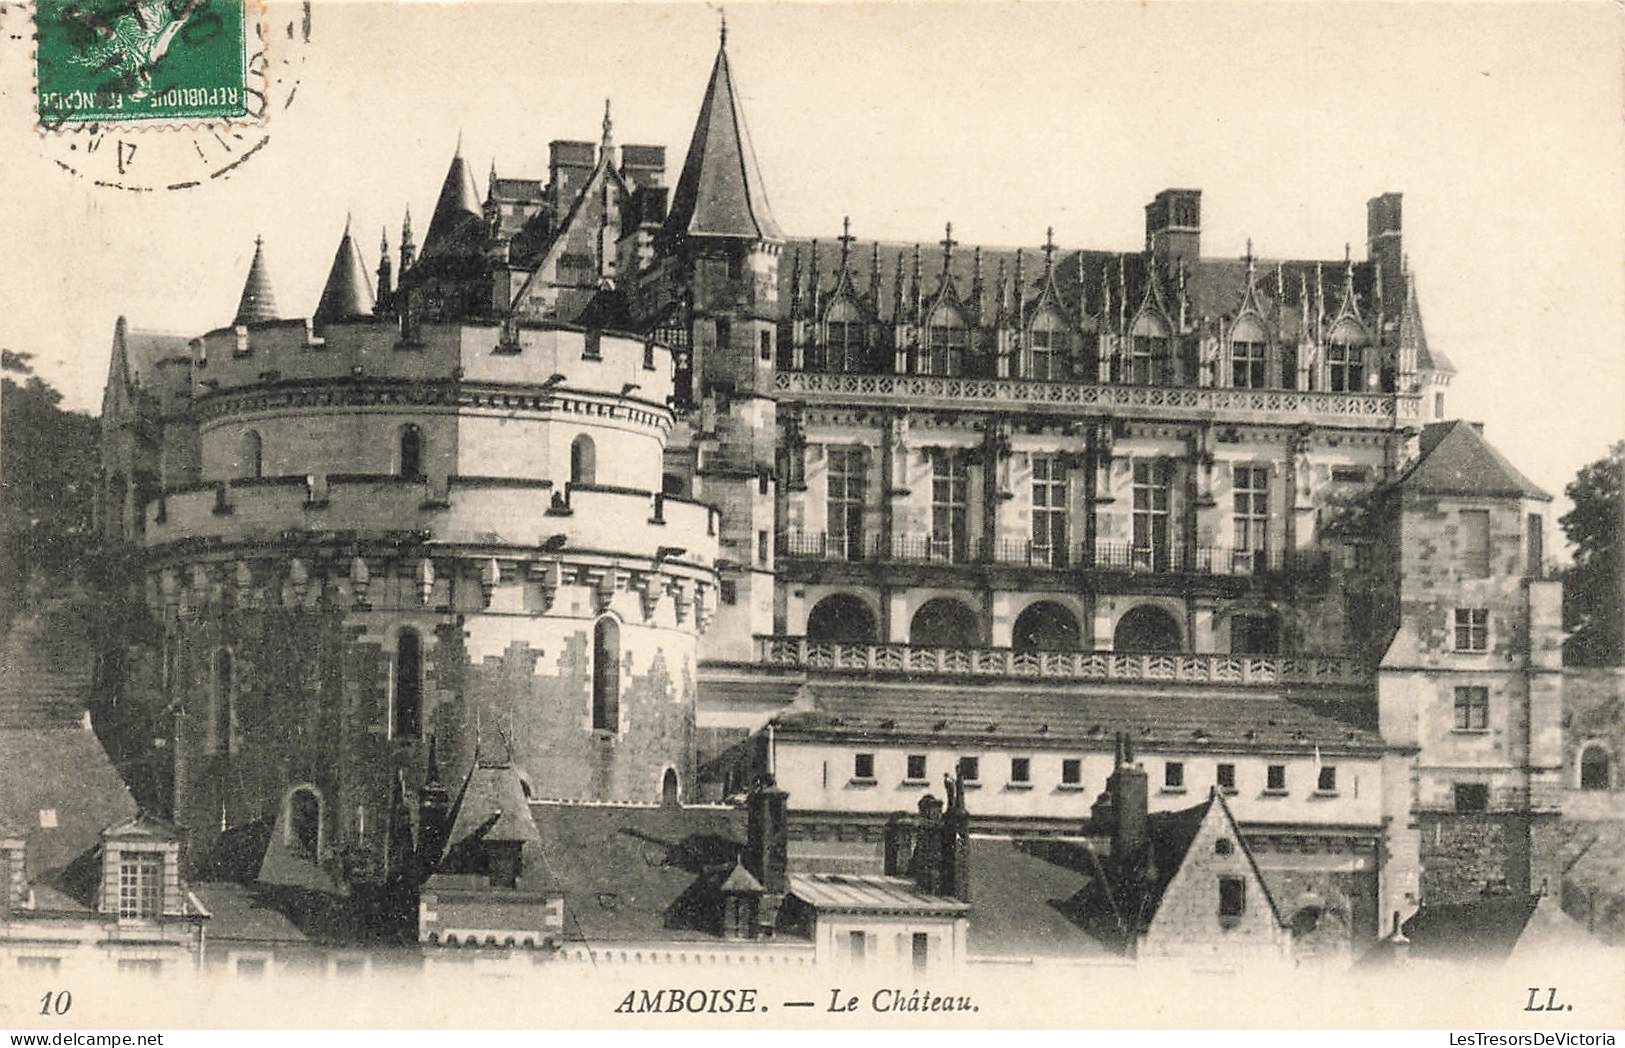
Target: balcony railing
x: 1103, y: 556
x: 1363, y: 410
x: 801, y: 653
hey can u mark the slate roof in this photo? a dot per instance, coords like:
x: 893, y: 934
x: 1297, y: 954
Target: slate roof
x: 347, y: 295
x: 870, y: 893
x: 636, y: 873
x: 142, y: 349
x: 1490, y: 927
x: 1038, y: 715
x: 258, y: 301
x: 1456, y: 459
x: 47, y: 660
x: 457, y: 227
x: 720, y: 191
x: 62, y: 772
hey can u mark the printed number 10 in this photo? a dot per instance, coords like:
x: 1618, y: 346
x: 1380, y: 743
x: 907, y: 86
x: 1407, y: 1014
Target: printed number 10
x: 56, y: 1003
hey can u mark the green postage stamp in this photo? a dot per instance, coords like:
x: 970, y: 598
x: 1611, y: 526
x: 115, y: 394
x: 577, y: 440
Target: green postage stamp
x: 111, y: 61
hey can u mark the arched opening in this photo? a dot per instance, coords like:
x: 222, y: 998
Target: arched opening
x: 1147, y: 628
x: 251, y: 457
x: 1594, y: 769
x: 408, y: 714
x: 944, y: 622
x: 411, y: 453
x: 1046, y: 626
x: 223, y: 691
x: 841, y: 619
x: 305, y: 822
x: 583, y: 461
x: 606, y: 675
x: 670, y: 795
x: 1255, y: 633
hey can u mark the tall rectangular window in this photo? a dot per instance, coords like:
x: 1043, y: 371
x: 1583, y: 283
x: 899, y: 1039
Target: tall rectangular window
x: 1289, y: 367
x: 846, y: 346
x: 1247, y: 365
x: 1250, y: 492
x: 946, y: 340
x: 1472, y: 709
x: 950, y: 488
x: 1537, y: 548
x: 1049, y: 510
x: 1326, y: 779
x: 1047, y: 351
x: 844, y: 504
x: 1071, y: 771
x: 1226, y: 777
x: 1232, y: 897
x: 1475, y: 543
x: 857, y: 946
x: 1472, y: 629
x: 1345, y: 365
x: 1173, y: 775
x: 140, y: 886
x: 1147, y: 354
x: 916, y: 767
x: 1275, y: 778
x: 1021, y: 770
x: 1151, y: 515
x: 921, y: 946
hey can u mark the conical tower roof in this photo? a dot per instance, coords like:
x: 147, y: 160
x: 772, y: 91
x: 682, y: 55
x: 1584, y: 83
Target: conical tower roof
x: 458, y: 223
x: 720, y: 192
x: 347, y: 295
x: 258, y: 303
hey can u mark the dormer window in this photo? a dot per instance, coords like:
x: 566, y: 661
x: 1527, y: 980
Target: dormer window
x: 140, y: 886
x: 1247, y: 357
x: 1049, y: 345
x: 1148, y: 352
x: 1345, y: 363
x: 945, y: 343
x: 846, y: 338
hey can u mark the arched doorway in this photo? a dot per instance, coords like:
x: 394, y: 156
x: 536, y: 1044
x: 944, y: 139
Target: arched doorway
x: 669, y: 794
x: 1147, y: 628
x: 1594, y: 770
x: 1046, y: 626
x: 841, y: 619
x: 944, y: 622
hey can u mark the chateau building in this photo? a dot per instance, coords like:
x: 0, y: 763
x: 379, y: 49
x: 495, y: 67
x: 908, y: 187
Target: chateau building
x: 618, y: 498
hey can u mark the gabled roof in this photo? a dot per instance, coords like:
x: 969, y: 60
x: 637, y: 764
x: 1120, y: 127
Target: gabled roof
x: 1025, y: 897
x: 258, y: 301
x: 491, y: 807
x: 720, y: 191
x: 347, y: 295
x: 141, y: 826
x: 1455, y: 459
x: 60, y: 790
x: 138, y: 351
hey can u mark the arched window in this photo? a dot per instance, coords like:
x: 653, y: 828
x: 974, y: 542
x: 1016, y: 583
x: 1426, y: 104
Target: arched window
x: 1147, y: 628
x: 945, y: 343
x: 305, y: 822
x: 606, y: 675
x: 1594, y: 770
x: 407, y: 720
x: 846, y: 339
x: 1046, y: 626
x: 583, y: 461
x: 1247, y: 355
x: 842, y: 619
x: 1049, y: 348
x: 945, y: 623
x: 670, y: 795
x: 411, y: 453
x: 224, y: 698
x: 1345, y: 361
x: 1148, y: 359
x: 1255, y: 633
x: 250, y: 457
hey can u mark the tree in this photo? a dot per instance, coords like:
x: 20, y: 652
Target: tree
x: 49, y: 461
x: 1594, y: 589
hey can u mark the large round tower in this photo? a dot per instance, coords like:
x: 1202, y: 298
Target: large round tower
x: 406, y: 549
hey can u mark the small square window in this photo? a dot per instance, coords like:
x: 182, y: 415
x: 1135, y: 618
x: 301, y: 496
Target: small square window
x: 729, y: 591
x: 1173, y: 776
x: 863, y: 766
x: 1472, y: 797
x: 1472, y: 709
x: 970, y: 769
x: 916, y: 767
x: 251, y: 967
x: 1021, y: 770
x: 1232, y: 897
x: 1226, y: 777
x: 1326, y: 781
x: 1472, y: 629
x: 1275, y: 778
x: 1071, y: 772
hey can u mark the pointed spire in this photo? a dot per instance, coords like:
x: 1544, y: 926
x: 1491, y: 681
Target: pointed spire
x: 347, y: 294
x: 899, y: 295
x: 874, y: 276
x: 1002, y: 292
x: 795, y: 282
x: 846, y: 239
x: 977, y: 289
x: 258, y: 301
x: 458, y: 223
x: 1250, y: 260
x: 1020, y: 289
x: 409, y: 248
x: 608, y: 141
x: 722, y: 31
x: 720, y: 191
x: 813, y: 279
x: 948, y: 244
x: 1049, y: 252
x: 915, y: 287
x: 385, y: 289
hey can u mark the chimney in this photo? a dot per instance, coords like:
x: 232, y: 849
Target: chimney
x: 568, y: 165
x: 927, y: 859
x: 644, y: 166
x: 1173, y: 227
x: 1383, y: 243
x: 767, y: 835
x: 1130, y: 793
x: 956, y: 844
x: 900, y: 831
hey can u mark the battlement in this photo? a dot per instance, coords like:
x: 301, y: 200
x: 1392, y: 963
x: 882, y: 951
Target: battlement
x: 484, y: 512
x: 284, y: 351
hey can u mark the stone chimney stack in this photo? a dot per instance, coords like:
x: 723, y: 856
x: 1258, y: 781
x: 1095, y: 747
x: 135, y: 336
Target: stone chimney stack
x: 956, y: 844
x: 900, y: 832
x: 928, y: 859
x: 767, y: 836
x: 1173, y: 228
x: 1130, y: 801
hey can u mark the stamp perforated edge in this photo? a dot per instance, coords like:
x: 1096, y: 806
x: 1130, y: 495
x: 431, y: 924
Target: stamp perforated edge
x: 256, y: 81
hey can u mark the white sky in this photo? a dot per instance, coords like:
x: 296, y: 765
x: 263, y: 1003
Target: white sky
x: 1501, y: 124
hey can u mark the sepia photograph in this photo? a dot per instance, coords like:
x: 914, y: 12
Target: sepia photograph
x: 812, y: 515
